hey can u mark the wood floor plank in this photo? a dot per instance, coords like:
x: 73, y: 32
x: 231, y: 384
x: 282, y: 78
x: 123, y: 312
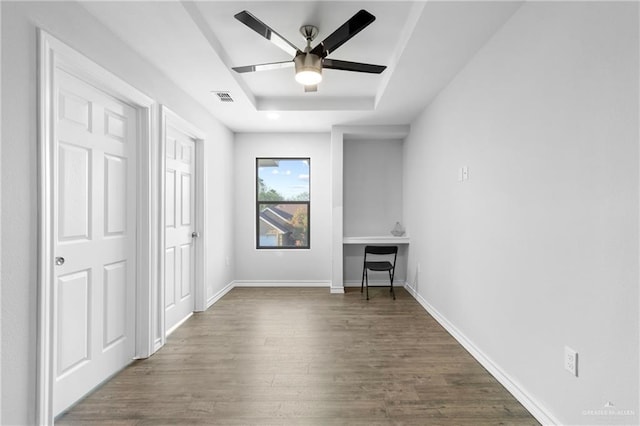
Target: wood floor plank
x: 302, y: 356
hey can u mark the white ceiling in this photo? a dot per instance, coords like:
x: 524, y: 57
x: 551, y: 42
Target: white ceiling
x: 423, y: 44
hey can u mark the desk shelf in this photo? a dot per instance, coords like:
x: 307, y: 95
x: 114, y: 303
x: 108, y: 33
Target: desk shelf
x: 384, y: 239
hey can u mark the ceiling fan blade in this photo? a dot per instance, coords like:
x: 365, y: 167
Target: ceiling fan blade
x: 336, y: 64
x: 263, y: 29
x: 264, y: 67
x: 311, y: 88
x: 345, y: 32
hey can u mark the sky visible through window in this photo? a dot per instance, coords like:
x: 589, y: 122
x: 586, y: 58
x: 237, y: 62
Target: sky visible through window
x: 290, y: 178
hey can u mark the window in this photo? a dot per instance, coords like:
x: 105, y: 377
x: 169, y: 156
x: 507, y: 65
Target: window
x: 282, y: 203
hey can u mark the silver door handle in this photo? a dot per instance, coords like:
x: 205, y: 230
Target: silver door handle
x: 195, y: 234
x: 59, y: 261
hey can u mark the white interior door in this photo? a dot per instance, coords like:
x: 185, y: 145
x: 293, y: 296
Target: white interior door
x: 94, y: 237
x: 180, y: 227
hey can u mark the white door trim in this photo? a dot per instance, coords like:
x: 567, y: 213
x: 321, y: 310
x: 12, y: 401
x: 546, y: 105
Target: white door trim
x: 52, y: 54
x: 167, y: 116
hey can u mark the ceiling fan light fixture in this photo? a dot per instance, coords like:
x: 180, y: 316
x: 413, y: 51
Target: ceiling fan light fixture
x: 309, y: 62
x: 308, y: 69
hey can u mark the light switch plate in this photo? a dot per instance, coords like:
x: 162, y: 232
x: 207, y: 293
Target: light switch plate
x: 571, y: 360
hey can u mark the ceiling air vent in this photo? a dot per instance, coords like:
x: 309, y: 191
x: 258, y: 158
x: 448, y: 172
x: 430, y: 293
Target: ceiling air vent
x: 224, y: 96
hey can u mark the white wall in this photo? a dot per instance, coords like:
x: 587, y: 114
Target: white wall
x: 372, y: 179
x: 306, y: 267
x: 73, y: 25
x: 0, y: 216
x: 220, y: 238
x: 539, y: 248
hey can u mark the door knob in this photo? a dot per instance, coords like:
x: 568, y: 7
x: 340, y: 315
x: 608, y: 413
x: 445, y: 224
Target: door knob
x: 59, y: 261
x: 195, y: 234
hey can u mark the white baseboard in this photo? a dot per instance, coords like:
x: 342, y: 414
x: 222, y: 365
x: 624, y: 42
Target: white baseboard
x: 529, y: 402
x: 374, y: 283
x: 271, y: 283
x: 281, y: 283
x: 175, y: 327
x: 213, y: 299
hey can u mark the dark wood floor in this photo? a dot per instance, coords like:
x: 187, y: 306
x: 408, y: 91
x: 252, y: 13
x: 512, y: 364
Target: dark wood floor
x: 305, y: 357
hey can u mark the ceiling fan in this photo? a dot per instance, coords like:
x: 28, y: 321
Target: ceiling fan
x: 310, y: 62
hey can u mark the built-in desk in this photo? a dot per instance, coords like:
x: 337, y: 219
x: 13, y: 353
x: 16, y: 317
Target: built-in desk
x: 353, y: 251
x: 376, y: 240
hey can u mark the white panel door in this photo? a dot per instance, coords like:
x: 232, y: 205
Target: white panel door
x: 94, y: 227
x: 180, y: 226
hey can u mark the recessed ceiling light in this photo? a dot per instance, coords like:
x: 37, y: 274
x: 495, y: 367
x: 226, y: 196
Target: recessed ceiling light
x: 273, y: 115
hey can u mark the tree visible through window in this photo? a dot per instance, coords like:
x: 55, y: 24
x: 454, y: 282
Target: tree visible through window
x: 282, y: 203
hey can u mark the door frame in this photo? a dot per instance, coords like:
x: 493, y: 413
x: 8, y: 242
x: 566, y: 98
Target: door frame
x: 168, y: 117
x: 53, y: 54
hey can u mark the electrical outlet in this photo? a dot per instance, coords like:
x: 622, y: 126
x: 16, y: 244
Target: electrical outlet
x: 571, y: 360
x: 463, y: 174
x: 227, y: 261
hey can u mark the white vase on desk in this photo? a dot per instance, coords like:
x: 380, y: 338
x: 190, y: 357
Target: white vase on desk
x: 398, y: 230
